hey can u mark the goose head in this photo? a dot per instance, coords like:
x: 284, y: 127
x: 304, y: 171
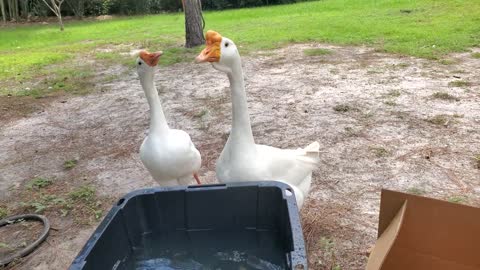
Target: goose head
x: 147, y: 62
x: 220, y: 51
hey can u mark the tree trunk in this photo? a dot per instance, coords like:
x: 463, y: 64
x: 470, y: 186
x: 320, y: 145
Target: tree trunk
x: 10, y: 9
x: 193, y: 23
x: 60, y: 21
x: 78, y: 7
x: 16, y: 10
x: 56, y: 7
x: 4, y: 15
x: 24, y: 9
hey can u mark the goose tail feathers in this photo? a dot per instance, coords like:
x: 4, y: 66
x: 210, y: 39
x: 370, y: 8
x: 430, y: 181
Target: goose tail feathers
x: 310, y: 154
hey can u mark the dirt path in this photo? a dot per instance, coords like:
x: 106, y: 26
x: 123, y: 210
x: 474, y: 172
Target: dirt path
x: 374, y: 114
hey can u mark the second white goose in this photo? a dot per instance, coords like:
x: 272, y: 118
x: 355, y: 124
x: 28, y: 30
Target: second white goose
x: 168, y: 154
x: 242, y: 159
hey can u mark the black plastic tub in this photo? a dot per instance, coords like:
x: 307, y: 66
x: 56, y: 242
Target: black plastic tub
x: 242, y: 226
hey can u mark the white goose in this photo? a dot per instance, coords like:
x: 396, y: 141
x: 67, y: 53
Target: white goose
x: 168, y: 154
x: 242, y: 159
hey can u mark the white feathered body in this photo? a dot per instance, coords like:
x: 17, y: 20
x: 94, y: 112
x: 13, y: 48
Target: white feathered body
x: 170, y: 157
x: 241, y: 159
x: 293, y: 167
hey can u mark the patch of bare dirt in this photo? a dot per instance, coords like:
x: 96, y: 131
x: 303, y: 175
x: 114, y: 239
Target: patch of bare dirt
x: 17, y: 236
x: 374, y: 115
x: 12, y: 108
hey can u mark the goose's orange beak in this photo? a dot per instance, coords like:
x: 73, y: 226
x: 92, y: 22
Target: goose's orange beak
x: 211, y: 53
x: 150, y: 59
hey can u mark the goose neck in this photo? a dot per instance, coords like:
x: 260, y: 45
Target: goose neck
x: 158, y: 123
x: 241, y: 128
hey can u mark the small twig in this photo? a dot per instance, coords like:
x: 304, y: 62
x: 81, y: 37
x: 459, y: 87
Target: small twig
x: 451, y: 176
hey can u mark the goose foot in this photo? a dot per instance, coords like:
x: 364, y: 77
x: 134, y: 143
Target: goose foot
x: 195, y: 175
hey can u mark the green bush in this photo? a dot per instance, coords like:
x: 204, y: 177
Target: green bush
x: 82, y: 8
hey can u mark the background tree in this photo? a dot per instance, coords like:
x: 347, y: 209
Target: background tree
x: 13, y: 10
x: 56, y: 7
x: 4, y: 15
x: 17, y: 10
x: 24, y: 10
x: 193, y: 23
x: 77, y: 7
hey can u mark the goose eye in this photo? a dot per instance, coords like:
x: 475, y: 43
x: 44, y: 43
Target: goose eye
x: 226, y: 44
x: 139, y: 63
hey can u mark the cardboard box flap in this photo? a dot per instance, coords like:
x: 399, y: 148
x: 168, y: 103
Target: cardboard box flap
x: 385, y: 241
x: 430, y: 234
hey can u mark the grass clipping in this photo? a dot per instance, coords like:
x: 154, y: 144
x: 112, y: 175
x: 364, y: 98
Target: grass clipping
x: 55, y: 199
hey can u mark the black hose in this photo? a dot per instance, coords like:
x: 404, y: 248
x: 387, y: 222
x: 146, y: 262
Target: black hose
x: 32, y: 246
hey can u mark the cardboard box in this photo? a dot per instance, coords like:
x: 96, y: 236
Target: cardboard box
x: 418, y: 233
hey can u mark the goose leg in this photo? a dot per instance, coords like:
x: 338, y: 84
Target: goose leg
x: 195, y: 175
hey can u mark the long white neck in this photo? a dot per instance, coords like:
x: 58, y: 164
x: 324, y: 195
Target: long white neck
x: 241, y: 134
x: 158, y: 123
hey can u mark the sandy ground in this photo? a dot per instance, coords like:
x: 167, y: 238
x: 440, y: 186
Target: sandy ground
x: 371, y: 113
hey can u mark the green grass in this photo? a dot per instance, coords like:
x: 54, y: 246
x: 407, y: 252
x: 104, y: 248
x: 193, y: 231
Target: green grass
x: 447, y: 62
x: 445, y: 96
x: 3, y: 212
x: 379, y: 151
x: 403, y: 65
x: 70, y: 164
x: 201, y: 114
x: 316, y: 52
x: 390, y: 103
x: 5, y: 246
x: 74, y: 79
x: 476, y: 55
x: 327, y: 247
x: 458, y: 199
x: 439, y: 120
x: 430, y: 29
x: 394, y: 93
x: 81, y: 202
x: 416, y: 191
x: 39, y: 182
x: 459, y: 83
x: 342, y: 108
x: 44, y: 202
x: 86, y: 195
